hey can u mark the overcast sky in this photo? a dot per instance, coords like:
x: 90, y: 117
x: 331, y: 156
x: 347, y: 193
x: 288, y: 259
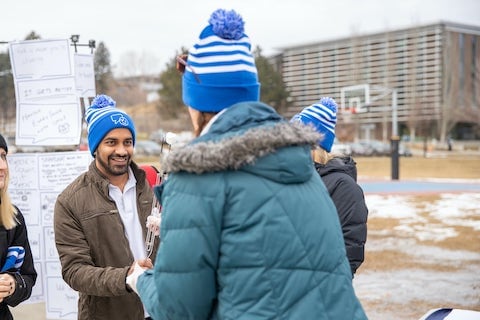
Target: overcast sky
x: 155, y: 30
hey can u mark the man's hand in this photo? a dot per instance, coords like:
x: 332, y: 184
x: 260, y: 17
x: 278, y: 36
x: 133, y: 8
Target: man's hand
x: 142, y: 263
x: 136, y: 270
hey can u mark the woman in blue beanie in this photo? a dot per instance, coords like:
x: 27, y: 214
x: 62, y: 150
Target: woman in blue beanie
x: 339, y: 173
x: 248, y: 229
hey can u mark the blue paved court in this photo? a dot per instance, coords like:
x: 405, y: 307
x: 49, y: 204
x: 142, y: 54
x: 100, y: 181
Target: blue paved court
x: 420, y: 186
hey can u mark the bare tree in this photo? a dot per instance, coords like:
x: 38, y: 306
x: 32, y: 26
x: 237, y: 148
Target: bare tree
x: 134, y: 64
x: 461, y: 98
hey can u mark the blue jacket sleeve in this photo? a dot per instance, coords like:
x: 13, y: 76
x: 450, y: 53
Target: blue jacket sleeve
x: 182, y: 284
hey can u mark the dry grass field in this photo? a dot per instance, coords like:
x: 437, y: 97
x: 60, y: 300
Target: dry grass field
x: 446, y: 165
x: 403, y: 275
x: 452, y: 167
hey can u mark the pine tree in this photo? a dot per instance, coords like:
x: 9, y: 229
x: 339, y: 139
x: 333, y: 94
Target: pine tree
x: 103, y: 70
x: 171, y: 91
x: 273, y: 91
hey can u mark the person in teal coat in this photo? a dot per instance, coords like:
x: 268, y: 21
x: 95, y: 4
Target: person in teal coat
x: 248, y: 228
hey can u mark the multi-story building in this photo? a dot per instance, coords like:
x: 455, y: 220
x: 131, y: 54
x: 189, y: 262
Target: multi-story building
x: 419, y: 81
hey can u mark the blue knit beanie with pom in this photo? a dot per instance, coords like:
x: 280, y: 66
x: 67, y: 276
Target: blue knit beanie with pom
x: 323, y: 117
x: 220, y: 68
x: 102, y: 117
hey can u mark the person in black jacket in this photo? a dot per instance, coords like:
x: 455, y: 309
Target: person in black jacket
x: 339, y: 173
x: 17, y: 273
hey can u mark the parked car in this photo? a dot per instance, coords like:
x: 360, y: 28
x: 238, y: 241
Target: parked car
x: 404, y: 151
x: 379, y: 148
x: 360, y: 150
x: 147, y: 148
x: 83, y: 145
x: 341, y: 148
x: 158, y: 136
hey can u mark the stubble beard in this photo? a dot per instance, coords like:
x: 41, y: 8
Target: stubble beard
x: 115, y: 170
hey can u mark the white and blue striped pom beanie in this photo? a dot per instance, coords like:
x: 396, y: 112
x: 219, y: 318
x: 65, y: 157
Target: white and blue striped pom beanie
x: 323, y: 117
x: 220, y: 68
x: 102, y: 117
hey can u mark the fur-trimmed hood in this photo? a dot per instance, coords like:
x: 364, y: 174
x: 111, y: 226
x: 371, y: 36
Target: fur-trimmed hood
x: 247, y: 136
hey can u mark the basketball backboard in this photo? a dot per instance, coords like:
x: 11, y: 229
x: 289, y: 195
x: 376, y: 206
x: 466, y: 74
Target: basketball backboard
x: 355, y: 99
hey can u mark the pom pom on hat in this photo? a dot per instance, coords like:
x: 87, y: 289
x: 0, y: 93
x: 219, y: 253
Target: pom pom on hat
x: 3, y: 143
x: 102, y: 117
x: 221, y: 68
x: 323, y: 117
x: 227, y: 24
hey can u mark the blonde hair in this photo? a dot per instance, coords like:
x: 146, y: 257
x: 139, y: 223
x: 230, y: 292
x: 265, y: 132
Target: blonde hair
x: 7, y: 211
x: 321, y: 155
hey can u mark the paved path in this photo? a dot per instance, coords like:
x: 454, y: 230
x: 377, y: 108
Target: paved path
x: 419, y: 186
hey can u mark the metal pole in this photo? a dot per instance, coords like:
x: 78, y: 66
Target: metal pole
x: 394, y: 113
x: 395, y: 158
x: 395, y: 138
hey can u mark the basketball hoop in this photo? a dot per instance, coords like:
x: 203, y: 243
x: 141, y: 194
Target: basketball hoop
x: 347, y: 115
x: 353, y: 99
x: 354, y: 107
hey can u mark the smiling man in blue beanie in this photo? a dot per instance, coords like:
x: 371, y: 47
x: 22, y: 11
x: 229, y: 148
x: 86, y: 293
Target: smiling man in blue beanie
x: 100, y: 219
x: 248, y: 229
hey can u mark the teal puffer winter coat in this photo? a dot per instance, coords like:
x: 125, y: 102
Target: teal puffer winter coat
x: 248, y: 228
